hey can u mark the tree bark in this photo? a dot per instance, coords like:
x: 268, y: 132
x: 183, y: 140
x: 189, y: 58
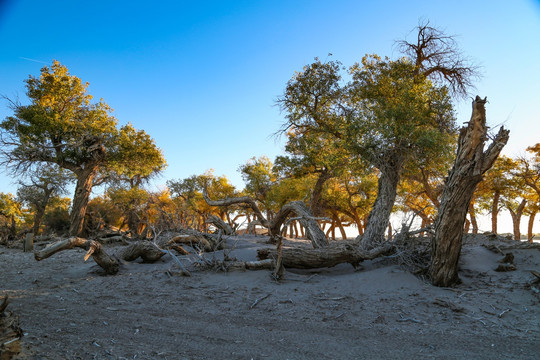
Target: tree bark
x: 343, y: 252
x: 80, y: 199
x: 316, y: 196
x: 306, y: 218
x: 40, y: 211
x: 220, y: 224
x: 495, y: 211
x: 472, y: 214
x: 516, y: 219
x: 94, y: 248
x: 379, y: 215
x: 470, y: 164
x: 530, y: 226
x: 144, y: 249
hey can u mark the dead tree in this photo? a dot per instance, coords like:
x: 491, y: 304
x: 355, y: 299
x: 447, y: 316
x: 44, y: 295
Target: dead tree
x: 342, y: 252
x: 144, y: 249
x: 220, y: 224
x: 306, y: 218
x: 470, y: 164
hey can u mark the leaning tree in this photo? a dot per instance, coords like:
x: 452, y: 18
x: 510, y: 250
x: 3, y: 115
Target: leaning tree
x: 391, y: 113
x: 61, y: 126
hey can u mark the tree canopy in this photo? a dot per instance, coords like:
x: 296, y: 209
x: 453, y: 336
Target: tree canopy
x: 61, y: 126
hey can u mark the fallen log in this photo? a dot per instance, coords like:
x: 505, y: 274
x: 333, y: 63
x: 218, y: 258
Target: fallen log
x: 94, y: 249
x: 305, y: 217
x: 220, y: 224
x: 342, y: 252
x: 144, y: 249
x: 10, y: 333
x: 266, y: 264
x: 195, y: 239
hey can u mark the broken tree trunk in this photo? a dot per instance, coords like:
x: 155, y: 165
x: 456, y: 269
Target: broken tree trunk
x: 470, y: 164
x: 196, y: 239
x: 148, y: 251
x: 306, y: 219
x: 94, y: 248
x: 341, y: 252
x: 220, y: 224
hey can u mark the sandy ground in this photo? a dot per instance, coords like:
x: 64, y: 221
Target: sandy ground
x: 69, y: 310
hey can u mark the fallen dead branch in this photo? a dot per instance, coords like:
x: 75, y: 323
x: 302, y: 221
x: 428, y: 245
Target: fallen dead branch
x: 197, y: 240
x: 259, y: 300
x: 342, y: 252
x: 94, y: 249
x: 144, y: 249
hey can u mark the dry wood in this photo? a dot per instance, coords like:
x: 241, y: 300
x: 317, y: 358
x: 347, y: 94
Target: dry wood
x: 94, y: 248
x: 305, y: 217
x: 259, y: 300
x: 179, y: 249
x: 143, y: 249
x: 342, y: 252
x: 10, y: 333
x: 220, y: 224
x: 470, y: 165
x: 193, y: 241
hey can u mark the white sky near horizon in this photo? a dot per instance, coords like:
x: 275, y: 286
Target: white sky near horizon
x: 202, y: 77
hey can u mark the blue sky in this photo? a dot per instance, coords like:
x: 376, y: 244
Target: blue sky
x: 202, y: 77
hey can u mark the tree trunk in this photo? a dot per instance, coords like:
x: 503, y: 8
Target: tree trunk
x: 13, y: 228
x: 341, y: 228
x: 379, y: 215
x: 342, y: 252
x: 467, y: 225
x: 495, y: 211
x: 80, y: 199
x: 94, y: 248
x: 143, y: 249
x: 220, y: 224
x: 316, y: 196
x: 530, y: 233
x: 470, y: 164
x: 472, y: 214
x: 516, y: 219
x: 306, y: 219
x: 40, y: 211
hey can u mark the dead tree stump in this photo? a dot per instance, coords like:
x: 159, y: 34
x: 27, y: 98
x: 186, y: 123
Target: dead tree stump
x: 470, y: 164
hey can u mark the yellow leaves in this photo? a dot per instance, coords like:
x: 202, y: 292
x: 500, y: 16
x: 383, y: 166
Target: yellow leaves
x: 47, y: 100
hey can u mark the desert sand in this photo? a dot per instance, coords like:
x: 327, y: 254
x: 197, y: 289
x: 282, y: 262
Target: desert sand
x: 69, y: 310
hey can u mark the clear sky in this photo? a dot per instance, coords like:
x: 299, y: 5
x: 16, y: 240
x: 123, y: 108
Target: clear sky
x: 202, y: 77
